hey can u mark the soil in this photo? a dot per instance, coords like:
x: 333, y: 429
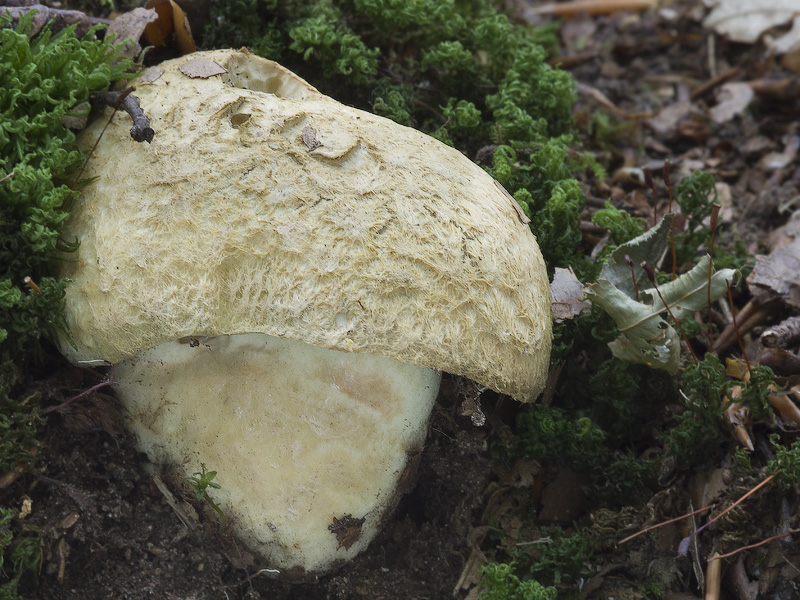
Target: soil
x: 109, y: 531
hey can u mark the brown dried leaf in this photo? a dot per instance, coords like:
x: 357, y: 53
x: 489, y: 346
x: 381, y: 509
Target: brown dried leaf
x: 737, y: 368
x: 568, y: 296
x: 310, y: 138
x: 347, y: 530
x: 171, y: 20
x: 563, y: 498
x: 779, y: 273
x: 745, y: 21
x: 131, y: 26
x: 665, y: 122
x: 202, y: 68
x: 150, y: 75
x: 734, y: 98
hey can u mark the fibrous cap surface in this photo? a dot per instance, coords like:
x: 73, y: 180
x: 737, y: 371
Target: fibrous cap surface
x: 263, y: 206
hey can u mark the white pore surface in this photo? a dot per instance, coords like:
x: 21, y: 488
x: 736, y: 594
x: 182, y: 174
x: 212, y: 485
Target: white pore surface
x: 298, y: 435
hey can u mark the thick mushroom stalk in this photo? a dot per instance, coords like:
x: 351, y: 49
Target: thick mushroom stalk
x: 309, y: 443
x: 267, y: 216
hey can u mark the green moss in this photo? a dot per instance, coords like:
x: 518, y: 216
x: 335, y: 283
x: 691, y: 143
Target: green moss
x: 787, y: 461
x: 600, y: 417
x: 695, y: 436
x: 42, y: 81
x: 756, y: 390
x: 553, y: 433
x: 324, y: 37
x: 622, y: 226
x: 20, y: 554
x: 696, y: 196
x: 498, y: 582
x: 19, y: 421
x: 541, y: 181
x: 393, y: 101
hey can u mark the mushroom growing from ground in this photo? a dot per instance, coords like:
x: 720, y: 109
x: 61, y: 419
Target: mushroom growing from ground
x: 279, y: 279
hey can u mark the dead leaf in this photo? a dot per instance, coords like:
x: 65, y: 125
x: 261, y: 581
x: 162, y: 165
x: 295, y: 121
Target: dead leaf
x: 737, y: 368
x: 77, y: 117
x: 150, y: 75
x: 63, y: 553
x: 310, y: 138
x: 734, y: 98
x: 25, y: 509
x: 745, y: 21
x: 779, y: 273
x: 645, y: 331
x: 738, y: 416
x: 171, y: 20
x: 523, y: 218
x: 781, y: 160
x: 202, y: 67
x: 130, y: 26
x: 783, y: 403
x: 737, y: 580
x: 785, y: 233
x: 68, y: 520
x: 667, y: 120
x: 707, y: 486
x: 568, y: 295
x: 347, y: 530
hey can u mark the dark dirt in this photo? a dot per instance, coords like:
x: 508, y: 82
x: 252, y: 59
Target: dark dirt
x: 109, y: 533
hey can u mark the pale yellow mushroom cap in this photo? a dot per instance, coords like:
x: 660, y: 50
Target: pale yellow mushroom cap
x: 234, y: 220
x: 279, y: 280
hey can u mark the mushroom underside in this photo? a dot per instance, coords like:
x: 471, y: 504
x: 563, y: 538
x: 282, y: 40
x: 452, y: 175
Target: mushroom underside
x: 308, y: 443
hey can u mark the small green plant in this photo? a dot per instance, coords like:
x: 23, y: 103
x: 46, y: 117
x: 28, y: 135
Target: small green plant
x: 557, y: 556
x: 542, y: 183
x: 756, y: 390
x: 19, y: 421
x: 651, y: 590
x: 696, y: 195
x: 696, y: 434
x: 622, y: 226
x: 787, y: 461
x: 21, y: 550
x: 498, y: 582
x: 553, y: 433
x: 200, y: 482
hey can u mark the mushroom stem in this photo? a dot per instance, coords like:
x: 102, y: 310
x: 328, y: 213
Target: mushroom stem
x: 302, y: 437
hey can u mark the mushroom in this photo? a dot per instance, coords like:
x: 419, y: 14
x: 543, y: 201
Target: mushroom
x: 279, y: 280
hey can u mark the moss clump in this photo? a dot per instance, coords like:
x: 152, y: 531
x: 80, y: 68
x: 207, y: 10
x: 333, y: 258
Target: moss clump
x: 20, y: 554
x: 500, y: 583
x: 593, y: 433
x: 622, y: 226
x: 696, y: 435
x: 42, y: 80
